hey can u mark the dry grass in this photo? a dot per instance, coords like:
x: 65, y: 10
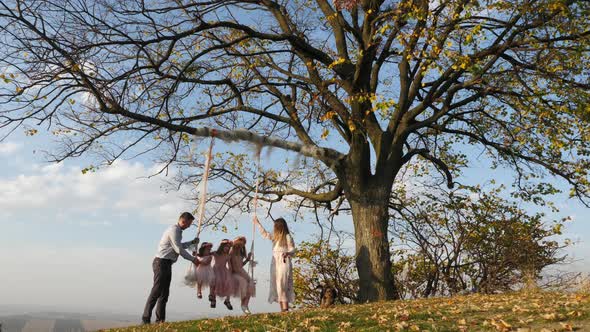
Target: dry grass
x: 537, y: 311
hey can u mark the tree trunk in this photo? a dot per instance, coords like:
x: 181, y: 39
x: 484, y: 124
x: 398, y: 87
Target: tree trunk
x: 368, y: 194
x: 373, y: 259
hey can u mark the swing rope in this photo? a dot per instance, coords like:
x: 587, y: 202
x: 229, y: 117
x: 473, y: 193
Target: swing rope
x: 203, y: 198
x: 255, y: 203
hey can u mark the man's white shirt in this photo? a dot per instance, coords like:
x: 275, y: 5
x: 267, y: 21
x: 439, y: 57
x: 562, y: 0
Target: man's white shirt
x: 170, y: 245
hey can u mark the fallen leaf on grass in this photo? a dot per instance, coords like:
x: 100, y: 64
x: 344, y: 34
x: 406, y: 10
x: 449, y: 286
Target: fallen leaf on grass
x: 517, y: 308
x: 403, y: 316
x: 401, y: 325
x: 501, y: 325
x: 566, y: 327
x: 344, y: 325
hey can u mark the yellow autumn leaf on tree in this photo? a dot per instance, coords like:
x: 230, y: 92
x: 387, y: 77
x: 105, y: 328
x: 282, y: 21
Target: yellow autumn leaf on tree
x: 328, y: 115
x: 337, y: 62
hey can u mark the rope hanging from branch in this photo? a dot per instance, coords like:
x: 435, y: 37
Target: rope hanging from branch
x: 205, y: 180
x: 255, y: 203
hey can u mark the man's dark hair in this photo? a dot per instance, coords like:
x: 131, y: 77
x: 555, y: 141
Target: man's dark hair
x: 187, y: 216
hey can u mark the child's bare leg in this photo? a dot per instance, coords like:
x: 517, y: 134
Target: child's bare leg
x: 284, y: 306
x: 245, y: 301
x: 199, y: 286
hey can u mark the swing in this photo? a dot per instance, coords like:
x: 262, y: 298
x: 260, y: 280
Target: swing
x: 255, y: 203
x: 203, y: 197
x: 190, y: 277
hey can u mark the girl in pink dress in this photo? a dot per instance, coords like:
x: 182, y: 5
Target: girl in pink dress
x: 204, y: 272
x: 224, y: 285
x: 244, y: 287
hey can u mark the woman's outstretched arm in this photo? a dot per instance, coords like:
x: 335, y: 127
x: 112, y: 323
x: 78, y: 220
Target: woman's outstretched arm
x: 263, y: 231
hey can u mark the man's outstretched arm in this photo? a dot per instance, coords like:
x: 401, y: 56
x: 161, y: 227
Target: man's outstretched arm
x: 175, y: 237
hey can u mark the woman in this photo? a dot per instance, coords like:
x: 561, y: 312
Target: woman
x: 243, y: 285
x: 281, y: 269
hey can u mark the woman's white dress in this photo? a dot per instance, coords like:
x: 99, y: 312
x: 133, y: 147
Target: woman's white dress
x: 281, y: 271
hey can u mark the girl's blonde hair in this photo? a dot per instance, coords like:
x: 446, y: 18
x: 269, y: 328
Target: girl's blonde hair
x: 239, y: 247
x: 280, y: 232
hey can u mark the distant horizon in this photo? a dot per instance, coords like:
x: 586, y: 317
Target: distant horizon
x: 41, y: 311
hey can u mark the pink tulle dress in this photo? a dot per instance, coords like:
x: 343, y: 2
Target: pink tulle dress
x: 243, y: 285
x: 204, y: 271
x: 224, y: 284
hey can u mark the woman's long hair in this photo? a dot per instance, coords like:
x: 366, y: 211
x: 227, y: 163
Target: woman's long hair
x: 280, y: 232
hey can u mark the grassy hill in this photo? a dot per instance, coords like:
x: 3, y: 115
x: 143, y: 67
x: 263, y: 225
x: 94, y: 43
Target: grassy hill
x: 505, y: 312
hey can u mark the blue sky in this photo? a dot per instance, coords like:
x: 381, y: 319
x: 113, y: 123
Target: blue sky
x: 79, y: 242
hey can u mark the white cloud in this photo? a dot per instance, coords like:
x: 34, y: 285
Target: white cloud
x: 8, y: 148
x: 63, y: 193
x: 73, y: 277
x: 83, y: 279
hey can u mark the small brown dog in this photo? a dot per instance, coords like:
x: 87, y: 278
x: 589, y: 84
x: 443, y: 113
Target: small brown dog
x: 328, y: 296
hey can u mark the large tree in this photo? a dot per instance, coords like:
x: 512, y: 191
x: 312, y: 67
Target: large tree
x: 362, y: 87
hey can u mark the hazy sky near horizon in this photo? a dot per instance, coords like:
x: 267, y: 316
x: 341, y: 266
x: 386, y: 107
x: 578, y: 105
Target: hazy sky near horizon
x: 85, y: 242
x: 75, y: 242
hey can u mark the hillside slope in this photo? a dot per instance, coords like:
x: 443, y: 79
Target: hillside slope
x: 505, y: 312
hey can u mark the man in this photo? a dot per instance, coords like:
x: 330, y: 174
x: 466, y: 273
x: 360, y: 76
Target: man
x: 168, y: 250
